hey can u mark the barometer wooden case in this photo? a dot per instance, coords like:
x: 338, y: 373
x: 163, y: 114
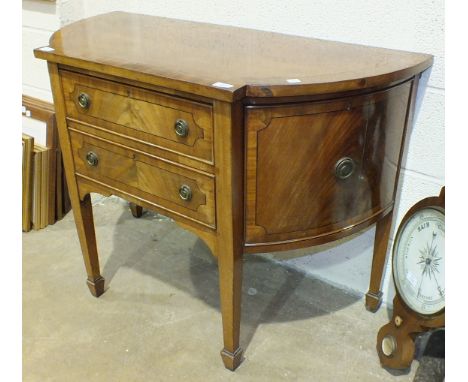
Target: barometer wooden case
x: 419, y: 276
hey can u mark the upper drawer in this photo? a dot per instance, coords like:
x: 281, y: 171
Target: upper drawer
x: 170, y: 123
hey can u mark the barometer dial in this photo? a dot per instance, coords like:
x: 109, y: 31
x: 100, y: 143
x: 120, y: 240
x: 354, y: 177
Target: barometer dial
x: 419, y: 261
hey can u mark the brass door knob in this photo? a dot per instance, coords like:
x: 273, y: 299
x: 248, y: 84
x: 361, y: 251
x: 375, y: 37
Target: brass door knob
x: 84, y: 101
x: 181, y: 128
x: 344, y: 168
x: 92, y: 158
x: 185, y: 192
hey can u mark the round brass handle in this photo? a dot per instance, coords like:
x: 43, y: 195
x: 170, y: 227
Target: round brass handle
x: 92, y: 158
x: 344, y: 168
x: 181, y: 128
x: 84, y: 101
x: 185, y: 192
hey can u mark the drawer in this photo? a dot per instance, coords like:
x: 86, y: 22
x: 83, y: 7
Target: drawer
x: 126, y: 172
x: 170, y: 123
x: 313, y: 169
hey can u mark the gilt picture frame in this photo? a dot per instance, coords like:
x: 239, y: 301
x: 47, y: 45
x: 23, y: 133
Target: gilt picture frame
x: 28, y: 147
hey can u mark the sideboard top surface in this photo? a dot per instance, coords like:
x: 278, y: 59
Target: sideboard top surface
x: 191, y: 57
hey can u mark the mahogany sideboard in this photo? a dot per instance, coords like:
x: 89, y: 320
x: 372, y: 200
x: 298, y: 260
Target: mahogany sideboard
x: 255, y: 141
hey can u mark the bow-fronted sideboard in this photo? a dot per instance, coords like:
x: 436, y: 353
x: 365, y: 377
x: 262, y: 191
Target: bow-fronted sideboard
x: 255, y: 141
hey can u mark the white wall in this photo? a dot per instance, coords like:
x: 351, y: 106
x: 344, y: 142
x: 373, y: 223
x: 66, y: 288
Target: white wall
x: 40, y: 20
x: 416, y: 25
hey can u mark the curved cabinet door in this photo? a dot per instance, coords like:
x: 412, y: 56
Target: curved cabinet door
x: 317, y: 168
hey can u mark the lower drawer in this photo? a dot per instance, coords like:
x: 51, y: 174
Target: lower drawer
x: 124, y: 171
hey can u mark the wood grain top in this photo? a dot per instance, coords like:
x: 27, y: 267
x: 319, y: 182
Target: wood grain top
x: 191, y: 57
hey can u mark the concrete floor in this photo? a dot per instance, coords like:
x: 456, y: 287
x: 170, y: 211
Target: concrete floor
x: 159, y: 320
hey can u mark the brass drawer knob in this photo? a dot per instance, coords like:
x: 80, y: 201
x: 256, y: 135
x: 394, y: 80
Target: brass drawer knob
x: 92, y: 158
x: 185, y: 192
x: 84, y: 101
x: 344, y: 168
x: 181, y: 128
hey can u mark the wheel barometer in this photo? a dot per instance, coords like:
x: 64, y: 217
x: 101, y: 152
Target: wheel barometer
x: 419, y: 276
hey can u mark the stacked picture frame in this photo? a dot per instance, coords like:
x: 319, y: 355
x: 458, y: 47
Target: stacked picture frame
x: 45, y: 196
